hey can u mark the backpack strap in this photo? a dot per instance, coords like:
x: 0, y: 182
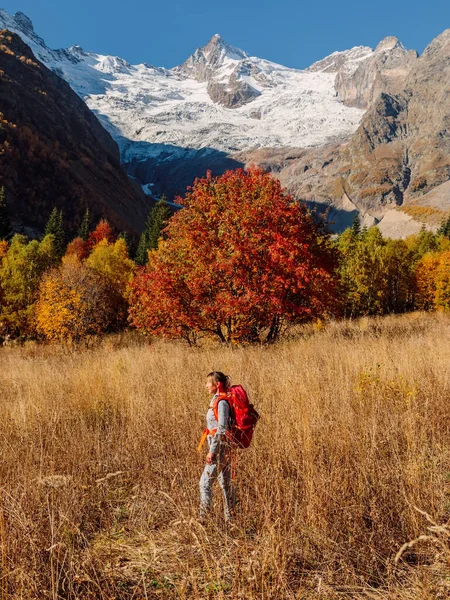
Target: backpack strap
x: 215, y: 406
x: 205, y: 434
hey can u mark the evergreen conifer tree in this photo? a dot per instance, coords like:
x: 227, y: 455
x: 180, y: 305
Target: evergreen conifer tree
x: 5, y: 224
x: 155, y: 223
x: 161, y: 214
x: 55, y: 227
x: 356, y: 226
x: 142, y: 250
x: 52, y: 223
x: 444, y: 229
x: 85, y: 227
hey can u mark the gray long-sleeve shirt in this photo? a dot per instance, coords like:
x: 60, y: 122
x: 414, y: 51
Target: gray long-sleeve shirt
x: 222, y: 425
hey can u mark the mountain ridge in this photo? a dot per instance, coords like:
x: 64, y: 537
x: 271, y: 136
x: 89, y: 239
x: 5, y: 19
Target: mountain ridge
x: 347, y: 132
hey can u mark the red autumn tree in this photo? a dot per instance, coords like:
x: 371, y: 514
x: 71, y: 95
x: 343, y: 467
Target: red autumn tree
x: 77, y: 247
x: 241, y: 261
x: 103, y: 231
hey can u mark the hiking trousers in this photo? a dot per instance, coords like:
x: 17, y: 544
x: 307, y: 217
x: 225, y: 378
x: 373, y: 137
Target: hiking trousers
x: 220, y: 470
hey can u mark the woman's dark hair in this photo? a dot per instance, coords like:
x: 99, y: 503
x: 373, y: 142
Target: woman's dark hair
x: 223, y: 380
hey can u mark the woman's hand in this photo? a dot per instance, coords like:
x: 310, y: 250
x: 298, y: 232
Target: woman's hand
x: 210, y: 458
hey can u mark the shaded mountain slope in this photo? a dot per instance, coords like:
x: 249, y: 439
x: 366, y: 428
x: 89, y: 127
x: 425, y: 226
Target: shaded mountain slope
x: 54, y: 151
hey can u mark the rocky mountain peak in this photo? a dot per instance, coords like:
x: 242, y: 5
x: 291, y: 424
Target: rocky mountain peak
x: 217, y: 50
x: 390, y: 43
x: 207, y: 60
x: 78, y: 50
x: 23, y: 22
x: 22, y: 25
x: 440, y: 45
x: 384, y: 70
x: 221, y: 66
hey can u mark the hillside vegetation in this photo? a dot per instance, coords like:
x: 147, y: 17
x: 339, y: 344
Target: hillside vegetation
x: 100, y: 471
x: 243, y: 262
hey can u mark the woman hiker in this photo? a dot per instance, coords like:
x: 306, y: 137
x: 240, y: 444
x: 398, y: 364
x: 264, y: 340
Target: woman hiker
x: 218, y: 460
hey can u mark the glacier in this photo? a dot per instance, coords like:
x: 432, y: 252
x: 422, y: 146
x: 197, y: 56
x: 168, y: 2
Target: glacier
x: 157, y: 112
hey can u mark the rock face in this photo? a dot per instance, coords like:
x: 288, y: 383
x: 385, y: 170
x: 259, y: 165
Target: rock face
x: 428, y: 86
x: 54, y: 152
x: 402, y: 148
x: 224, y: 68
x: 385, y: 71
x: 399, y: 154
x: 379, y: 171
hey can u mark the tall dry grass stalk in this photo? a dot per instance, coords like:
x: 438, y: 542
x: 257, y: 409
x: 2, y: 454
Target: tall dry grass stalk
x: 99, y: 470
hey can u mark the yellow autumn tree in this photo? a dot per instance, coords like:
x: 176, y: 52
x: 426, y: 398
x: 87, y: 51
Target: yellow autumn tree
x: 442, y: 282
x: 425, y: 281
x: 22, y: 265
x: 73, y: 303
x: 111, y: 261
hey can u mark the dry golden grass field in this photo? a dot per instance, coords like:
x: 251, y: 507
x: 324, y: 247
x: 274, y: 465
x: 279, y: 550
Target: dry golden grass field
x: 350, y: 461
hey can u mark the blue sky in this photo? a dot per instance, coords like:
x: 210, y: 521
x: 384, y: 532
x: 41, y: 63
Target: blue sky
x: 291, y: 32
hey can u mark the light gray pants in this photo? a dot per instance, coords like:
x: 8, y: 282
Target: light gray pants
x: 220, y: 470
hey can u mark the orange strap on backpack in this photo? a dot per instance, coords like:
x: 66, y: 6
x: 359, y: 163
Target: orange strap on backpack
x: 205, y: 434
x: 215, y: 406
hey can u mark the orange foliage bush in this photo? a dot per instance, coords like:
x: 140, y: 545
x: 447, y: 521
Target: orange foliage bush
x: 433, y: 281
x: 6, y: 50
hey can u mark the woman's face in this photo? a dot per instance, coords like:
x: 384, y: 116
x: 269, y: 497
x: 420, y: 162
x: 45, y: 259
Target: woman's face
x: 212, y: 386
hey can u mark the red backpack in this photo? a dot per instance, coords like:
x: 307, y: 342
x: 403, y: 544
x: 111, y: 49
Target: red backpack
x: 243, y: 415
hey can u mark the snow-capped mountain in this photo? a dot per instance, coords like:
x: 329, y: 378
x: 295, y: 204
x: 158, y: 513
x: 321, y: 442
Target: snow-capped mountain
x: 347, y: 132
x: 220, y: 98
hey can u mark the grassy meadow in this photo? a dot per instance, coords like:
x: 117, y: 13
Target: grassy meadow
x: 350, y: 461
